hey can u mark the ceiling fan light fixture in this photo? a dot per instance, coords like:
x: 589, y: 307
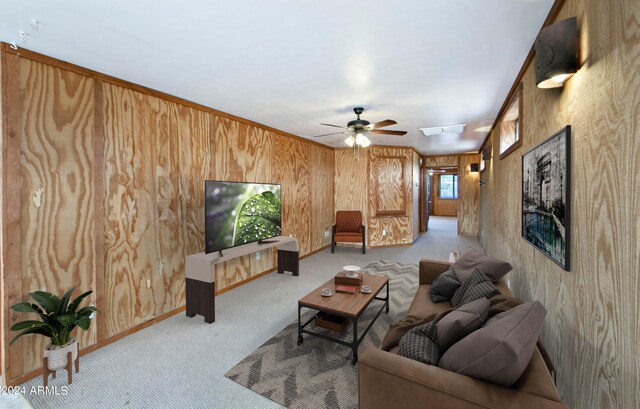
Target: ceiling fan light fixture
x: 360, y: 138
x: 350, y: 141
x: 366, y: 142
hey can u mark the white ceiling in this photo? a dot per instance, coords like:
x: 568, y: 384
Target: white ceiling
x: 294, y: 64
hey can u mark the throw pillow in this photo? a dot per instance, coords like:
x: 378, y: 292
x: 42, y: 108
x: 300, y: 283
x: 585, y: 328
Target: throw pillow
x: 472, y: 259
x: 501, y: 351
x: 420, y: 344
x: 475, y: 286
x: 461, y: 322
x: 443, y: 287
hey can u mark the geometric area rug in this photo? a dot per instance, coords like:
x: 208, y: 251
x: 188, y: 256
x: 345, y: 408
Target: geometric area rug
x: 319, y: 373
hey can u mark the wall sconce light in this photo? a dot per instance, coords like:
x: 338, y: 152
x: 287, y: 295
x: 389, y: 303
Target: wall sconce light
x: 486, y: 152
x: 474, y: 167
x: 557, y: 48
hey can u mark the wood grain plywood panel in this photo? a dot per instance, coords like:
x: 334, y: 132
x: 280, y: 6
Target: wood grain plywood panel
x: 57, y: 206
x: 322, y: 214
x: 468, y: 206
x: 398, y: 228
x: 441, y: 160
x: 195, y: 167
x: 240, y: 152
x: 291, y: 169
x: 351, y: 181
x: 11, y: 229
x: 130, y: 210
x: 167, y: 270
x: 591, y: 329
x: 415, y: 187
x: 3, y: 233
x: 389, y: 185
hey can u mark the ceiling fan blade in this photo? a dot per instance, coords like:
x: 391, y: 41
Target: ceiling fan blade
x: 382, y: 124
x: 385, y: 132
x: 333, y: 133
x: 335, y: 126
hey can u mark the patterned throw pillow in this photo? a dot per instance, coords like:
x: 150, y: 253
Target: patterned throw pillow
x: 443, y: 287
x: 421, y: 344
x: 475, y: 286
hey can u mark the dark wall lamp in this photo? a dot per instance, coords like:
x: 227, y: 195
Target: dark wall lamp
x: 557, y: 48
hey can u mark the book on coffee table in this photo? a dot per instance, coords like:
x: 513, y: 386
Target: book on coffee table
x: 349, y: 289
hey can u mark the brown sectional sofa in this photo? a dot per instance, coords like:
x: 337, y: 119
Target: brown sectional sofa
x: 387, y: 380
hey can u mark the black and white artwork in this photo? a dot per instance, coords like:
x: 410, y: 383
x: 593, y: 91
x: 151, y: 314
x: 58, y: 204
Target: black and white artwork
x: 545, y: 197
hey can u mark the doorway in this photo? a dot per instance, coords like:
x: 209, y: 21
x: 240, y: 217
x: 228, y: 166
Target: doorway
x: 444, y: 191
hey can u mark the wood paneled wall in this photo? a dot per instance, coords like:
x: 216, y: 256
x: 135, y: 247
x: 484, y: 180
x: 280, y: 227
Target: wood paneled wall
x: 108, y: 187
x: 469, y: 193
x: 351, y: 183
x: 355, y: 189
x: 591, y: 329
x: 415, y: 187
x: 3, y: 238
x: 398, y: 228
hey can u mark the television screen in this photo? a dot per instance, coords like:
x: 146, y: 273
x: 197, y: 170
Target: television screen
x: 238, y: 213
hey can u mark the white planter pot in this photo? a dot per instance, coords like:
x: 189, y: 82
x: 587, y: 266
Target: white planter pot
x: 57, y: 355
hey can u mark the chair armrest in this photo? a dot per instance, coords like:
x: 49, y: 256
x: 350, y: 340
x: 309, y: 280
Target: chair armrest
x: 430, y: 269
x: 388, y: 380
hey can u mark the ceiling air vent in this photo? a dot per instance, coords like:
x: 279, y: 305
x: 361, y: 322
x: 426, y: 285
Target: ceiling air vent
x: 443, y: 129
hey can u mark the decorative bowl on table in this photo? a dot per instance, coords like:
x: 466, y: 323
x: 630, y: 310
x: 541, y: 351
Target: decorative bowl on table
x: 351, y: 271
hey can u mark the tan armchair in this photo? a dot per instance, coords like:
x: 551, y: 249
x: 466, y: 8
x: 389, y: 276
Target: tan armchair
x: 348, y: 228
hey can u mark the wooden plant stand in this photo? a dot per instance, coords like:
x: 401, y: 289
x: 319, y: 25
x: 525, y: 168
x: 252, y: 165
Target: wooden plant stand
x: 46, y: 372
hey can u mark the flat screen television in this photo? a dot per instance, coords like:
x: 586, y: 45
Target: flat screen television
x: 238, y: 213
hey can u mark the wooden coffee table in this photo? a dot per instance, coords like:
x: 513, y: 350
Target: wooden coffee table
x: 350, y: 306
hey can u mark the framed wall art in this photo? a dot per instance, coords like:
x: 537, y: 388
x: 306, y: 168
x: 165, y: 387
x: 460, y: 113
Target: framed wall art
x: 545, y: 197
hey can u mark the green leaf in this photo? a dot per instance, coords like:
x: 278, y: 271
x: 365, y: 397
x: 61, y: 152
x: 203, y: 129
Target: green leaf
x: 18, y: 326
x: 74, y: 305
x: 25, y: 307
x: 42, y: 331
x: 84, y: 323
x: 86, y: 311
x: 258, y: 218
x: 62, y: 308
x: 67, y: 319
x: 47, y: 300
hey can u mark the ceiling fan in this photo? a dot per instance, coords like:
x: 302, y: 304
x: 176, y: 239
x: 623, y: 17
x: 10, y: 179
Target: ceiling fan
x: 358, y: 127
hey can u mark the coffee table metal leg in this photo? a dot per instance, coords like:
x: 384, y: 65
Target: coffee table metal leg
x: 387, y: 299
x: 299, y: 327
x: 354, y: 346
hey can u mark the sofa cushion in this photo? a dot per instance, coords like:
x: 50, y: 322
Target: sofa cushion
x: 461, y: 322
x: 500, y: 351
x: 472, y: 259
x: 420, y: 344
x: 476, y: 285
x: 443, y: 287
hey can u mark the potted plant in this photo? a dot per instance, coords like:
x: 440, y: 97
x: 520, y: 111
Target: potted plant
x: 58, y: 318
